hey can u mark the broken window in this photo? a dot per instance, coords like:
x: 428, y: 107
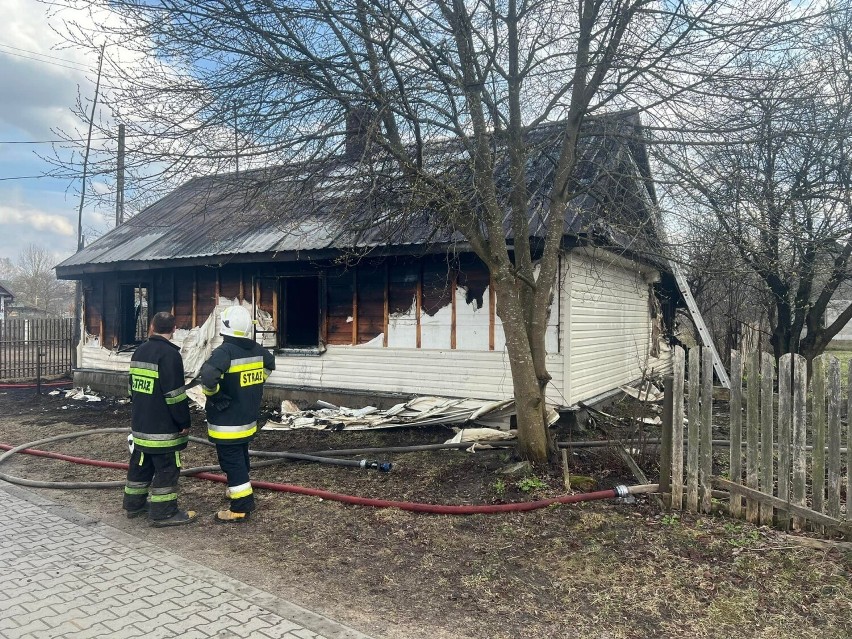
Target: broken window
x: 299, y: 312
x: 134, y: 313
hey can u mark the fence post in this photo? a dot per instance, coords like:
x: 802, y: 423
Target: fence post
x: 706, y: 435
x: 849, y: 447
x: 666, y: 443
x: 677, y: 428
x: 800, y: 404
x: 818, y: 428
x: 767, y: 438
x: 785, y: 400
x: 736, y: 419
x: 752, y: 431
x: 834, y: 443
x: 39, y: 355
x: 692, y: 458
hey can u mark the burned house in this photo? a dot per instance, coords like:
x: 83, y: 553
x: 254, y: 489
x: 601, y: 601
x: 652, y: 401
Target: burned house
x: 353, y: 302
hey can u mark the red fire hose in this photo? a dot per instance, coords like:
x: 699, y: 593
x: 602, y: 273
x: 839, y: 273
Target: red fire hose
x: 443, y: 509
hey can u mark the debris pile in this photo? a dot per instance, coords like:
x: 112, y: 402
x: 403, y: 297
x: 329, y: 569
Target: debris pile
x: 420, y: 411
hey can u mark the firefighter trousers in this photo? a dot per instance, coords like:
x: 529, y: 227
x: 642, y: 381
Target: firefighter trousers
x: 234, y: 460
x: 157, y: 474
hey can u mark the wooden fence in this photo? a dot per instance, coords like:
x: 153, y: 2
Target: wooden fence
x: 30, y: 348
x: 787, y: 445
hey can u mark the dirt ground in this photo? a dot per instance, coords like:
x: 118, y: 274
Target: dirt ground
x: 600, y: 569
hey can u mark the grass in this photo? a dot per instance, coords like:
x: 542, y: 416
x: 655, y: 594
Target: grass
x: 843, y: 355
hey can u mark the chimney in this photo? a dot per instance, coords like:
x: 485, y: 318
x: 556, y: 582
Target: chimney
x: 359, y: 122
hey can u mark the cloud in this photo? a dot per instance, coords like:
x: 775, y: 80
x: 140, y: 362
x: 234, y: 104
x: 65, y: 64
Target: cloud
x: 35, y: 219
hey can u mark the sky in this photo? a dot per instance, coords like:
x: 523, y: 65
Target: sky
x: 39, y: 84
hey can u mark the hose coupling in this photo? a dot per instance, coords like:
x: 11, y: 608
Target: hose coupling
x: 621, y: 491
x: 382, y: 467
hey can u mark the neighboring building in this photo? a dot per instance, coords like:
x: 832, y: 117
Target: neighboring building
x: 6, y: 298
x: 840, y: 301
x: 413, y: 314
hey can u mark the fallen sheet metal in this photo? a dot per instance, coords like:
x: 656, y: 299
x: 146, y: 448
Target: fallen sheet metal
x: 420, y: 411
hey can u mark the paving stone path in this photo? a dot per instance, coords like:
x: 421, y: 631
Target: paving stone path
x: 67, y: 575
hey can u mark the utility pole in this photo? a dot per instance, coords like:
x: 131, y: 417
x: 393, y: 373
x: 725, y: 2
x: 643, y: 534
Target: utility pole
x: 78, y: 289
x: 119, y: 190
x: 236, y: 138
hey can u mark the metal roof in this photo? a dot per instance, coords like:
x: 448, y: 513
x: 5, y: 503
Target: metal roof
x: 333, y: 204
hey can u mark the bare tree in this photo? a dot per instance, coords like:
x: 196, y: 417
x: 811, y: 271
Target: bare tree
x: 766, y: 171
x: 35, y: 282
x: 277, y: 80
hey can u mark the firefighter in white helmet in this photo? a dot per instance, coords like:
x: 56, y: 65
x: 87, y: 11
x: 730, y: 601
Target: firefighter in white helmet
x: 232, y: 379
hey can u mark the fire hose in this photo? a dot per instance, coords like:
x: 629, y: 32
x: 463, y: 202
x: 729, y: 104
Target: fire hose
x: 204, y: 472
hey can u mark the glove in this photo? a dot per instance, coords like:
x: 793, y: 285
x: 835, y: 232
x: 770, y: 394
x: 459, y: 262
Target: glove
x: 220, y: 401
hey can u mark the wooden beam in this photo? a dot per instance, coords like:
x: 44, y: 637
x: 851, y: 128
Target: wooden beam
x: 241, y: 295
x: 355, y: 307
x: 418, y: 302
x: 173, y: 292
x: 102, y: 332
x: 387, y: 306
x: 194, y: 298
x: 217, y: 292
x: 780, y: 504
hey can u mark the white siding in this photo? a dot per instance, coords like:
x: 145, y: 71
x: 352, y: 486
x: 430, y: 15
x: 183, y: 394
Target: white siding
x: 483, y: 375
x: 410, y: 371
x: 609, y: 325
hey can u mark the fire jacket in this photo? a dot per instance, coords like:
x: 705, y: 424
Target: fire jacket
x: 232, y: 379
x: 160, y: 406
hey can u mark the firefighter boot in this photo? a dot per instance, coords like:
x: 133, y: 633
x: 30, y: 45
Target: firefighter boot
x: 230, y: 517
x: 180, y: 518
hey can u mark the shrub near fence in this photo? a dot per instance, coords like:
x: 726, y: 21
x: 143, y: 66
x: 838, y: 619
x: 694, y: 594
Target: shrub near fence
x: 21, y: 342
x: 784, y: 460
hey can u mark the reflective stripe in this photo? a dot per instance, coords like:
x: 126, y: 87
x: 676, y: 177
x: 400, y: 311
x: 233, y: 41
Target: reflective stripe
x: 209, y: 391
x: 245, y: 364
x: 266, y: 374
x: 141, y: 454
x: 149, y: 365
x: 167, y: 497
x: 135, y: 491
x: 161, y: 443
x: 243, y: 490
x: 231, y: 432
x: 177, y: 458
x: 175, y: 400
x: 144, y: 372
x: 139, y: 484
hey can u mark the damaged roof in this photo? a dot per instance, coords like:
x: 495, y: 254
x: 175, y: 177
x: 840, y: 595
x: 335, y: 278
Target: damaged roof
x: 335, y: 204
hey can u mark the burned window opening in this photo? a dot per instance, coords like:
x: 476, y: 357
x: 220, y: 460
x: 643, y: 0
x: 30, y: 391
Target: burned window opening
x: 299, y: 312
x: 134, y: 313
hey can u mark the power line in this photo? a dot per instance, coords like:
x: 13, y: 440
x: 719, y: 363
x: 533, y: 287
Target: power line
x: 57, y: 141
x: 55, y: 64
x: 44, y: 55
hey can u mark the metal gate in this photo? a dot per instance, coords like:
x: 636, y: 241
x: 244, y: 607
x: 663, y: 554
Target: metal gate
x: 33, y: 348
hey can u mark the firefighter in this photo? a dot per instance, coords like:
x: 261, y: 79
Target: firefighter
x: 160, y: 423
x: 232, y: 379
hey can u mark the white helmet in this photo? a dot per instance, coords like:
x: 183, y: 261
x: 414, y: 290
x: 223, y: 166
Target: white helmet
x: 236, y: 322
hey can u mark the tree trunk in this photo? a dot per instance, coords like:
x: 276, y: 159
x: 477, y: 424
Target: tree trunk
x: 533, y: 441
